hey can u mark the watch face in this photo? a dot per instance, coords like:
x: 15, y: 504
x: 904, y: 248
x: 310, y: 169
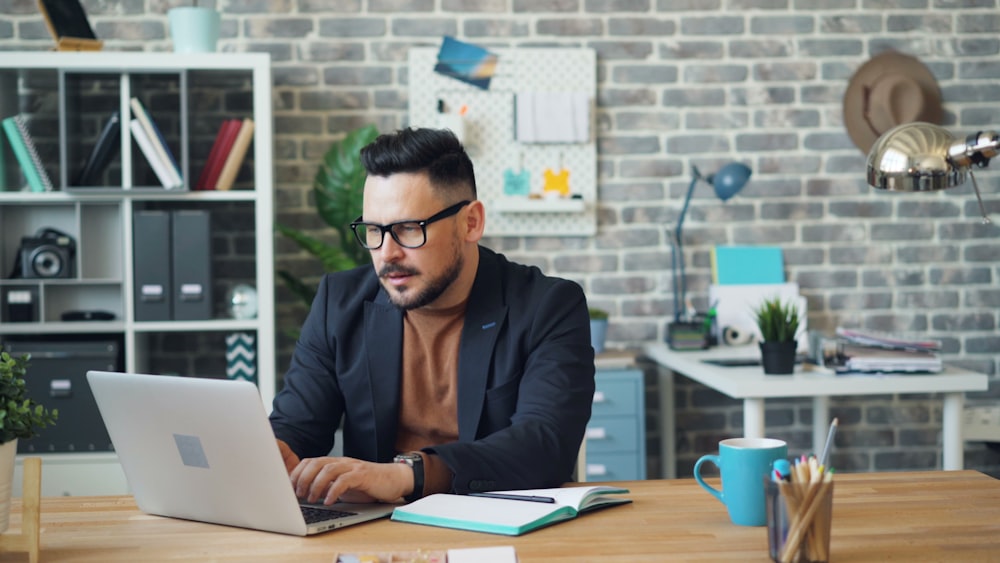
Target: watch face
x: 242, y: 300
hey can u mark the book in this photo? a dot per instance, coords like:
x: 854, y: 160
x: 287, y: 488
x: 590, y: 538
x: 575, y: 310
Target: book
x: 158, y: 143
x: 504, y: 515
x: 217, y: 154
x: 146, y: 145
x: 21, y: 154
x: 235, y: 157
x: 101, y: 154
x: 27, y: 154
x: 747, y: 265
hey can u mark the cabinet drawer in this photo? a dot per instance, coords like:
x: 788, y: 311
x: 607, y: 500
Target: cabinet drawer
x: 614, y: 467
x: 612, y: 434
x: 615, y: 397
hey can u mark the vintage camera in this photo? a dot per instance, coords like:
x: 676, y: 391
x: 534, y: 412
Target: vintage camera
x: 48, y: 254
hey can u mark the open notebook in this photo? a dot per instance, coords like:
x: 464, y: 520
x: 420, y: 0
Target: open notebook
x: 508, y: 516
x: 203, y: 449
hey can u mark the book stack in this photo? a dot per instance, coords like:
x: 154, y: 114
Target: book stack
x: 869, y: 352
x: 226, y: 155
x: 26, y: 154
x: 154, y: 147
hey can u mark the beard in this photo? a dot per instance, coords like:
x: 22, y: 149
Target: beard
x: 406, y: 298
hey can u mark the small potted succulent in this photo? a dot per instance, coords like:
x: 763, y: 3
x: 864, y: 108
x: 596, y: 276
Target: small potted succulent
x: 20, y: 417
x: 778, y: 322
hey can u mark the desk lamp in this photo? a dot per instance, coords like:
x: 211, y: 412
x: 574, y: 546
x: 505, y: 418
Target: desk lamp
x: 728, y: 181
x: 919, y: 156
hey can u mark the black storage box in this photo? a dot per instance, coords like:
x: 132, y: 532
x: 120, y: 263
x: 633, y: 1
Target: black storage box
x: 57, y: 378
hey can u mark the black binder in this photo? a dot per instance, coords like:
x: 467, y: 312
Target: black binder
x: 192, y: 265
x: 151, y: 250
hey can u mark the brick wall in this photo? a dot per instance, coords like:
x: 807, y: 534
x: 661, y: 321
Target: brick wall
x: 680, y: 83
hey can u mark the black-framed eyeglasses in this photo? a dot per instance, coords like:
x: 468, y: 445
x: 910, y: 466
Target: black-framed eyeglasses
x: 408, y: 234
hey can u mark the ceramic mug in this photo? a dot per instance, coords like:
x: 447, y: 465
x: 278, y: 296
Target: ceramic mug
x: 743, y: 463
x: 194, y: 29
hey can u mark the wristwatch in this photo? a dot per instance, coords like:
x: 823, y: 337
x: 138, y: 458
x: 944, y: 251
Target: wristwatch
x: 416, y: 462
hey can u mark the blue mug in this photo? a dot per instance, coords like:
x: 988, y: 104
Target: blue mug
x: 744, y: 464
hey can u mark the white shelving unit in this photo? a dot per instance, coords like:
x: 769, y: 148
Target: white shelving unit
x: 66, y: 98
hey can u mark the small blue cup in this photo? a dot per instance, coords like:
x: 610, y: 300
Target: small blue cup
x: 743, y: 463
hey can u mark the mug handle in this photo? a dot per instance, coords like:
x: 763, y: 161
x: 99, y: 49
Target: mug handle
x: 697, y: 475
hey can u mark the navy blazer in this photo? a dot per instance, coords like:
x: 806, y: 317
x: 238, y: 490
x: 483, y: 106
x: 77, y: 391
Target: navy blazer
x: 525, y: 376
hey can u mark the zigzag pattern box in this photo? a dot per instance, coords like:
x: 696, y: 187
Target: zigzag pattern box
x: 241, y: 356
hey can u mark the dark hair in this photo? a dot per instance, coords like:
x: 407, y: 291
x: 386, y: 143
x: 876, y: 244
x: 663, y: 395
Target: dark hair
x: 434, y: 151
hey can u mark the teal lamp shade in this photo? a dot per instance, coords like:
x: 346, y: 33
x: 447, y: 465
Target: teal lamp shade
x: 729, y: 180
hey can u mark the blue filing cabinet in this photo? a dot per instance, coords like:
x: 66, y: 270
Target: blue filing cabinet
x: 616, y: 435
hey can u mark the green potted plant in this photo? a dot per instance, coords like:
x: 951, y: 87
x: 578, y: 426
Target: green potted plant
x: 339, y: 189
x: 778, y: 322
x: 20, y: 417
x: 598, y: 328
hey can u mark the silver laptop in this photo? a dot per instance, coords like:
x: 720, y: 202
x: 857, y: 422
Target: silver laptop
x: 203, y: 449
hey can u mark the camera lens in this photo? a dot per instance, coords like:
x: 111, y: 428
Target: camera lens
x: 46, y: 262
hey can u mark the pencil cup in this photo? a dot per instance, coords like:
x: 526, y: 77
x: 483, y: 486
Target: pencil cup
x: 798, y: 526
x: 194, y: 29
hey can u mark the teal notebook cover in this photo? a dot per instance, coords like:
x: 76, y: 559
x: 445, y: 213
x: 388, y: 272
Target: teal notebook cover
x: 507, y: 517
x: 23, y: 155
x: 733, y: 265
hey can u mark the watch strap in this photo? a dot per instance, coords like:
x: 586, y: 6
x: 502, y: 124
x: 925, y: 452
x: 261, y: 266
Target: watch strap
x: 416, y: 463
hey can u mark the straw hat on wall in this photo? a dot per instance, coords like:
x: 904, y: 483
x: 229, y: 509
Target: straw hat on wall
x: 889, y: 90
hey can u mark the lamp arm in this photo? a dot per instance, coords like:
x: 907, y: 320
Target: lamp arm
x: 977, y: 149
x: 677, y: 257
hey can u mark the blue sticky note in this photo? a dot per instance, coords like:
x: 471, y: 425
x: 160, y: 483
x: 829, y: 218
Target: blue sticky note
x: 733, y: 265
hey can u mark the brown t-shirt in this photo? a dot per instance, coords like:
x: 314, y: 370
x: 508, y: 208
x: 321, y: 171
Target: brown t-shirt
x: 428, y: 412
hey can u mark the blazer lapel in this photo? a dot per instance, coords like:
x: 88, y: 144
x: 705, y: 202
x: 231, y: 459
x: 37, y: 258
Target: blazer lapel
x: 384, y: 345
x: 484, y: 317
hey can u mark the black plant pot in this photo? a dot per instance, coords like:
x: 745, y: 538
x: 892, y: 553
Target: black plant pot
x: 778, y: 358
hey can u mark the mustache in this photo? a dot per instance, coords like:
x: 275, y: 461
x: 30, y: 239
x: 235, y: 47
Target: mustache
x: 396, y: 269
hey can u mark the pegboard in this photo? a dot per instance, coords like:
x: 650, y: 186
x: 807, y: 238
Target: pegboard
x: 488, y: 126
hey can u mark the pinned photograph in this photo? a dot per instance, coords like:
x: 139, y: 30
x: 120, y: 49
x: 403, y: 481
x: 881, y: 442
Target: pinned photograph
x: 469, y: 63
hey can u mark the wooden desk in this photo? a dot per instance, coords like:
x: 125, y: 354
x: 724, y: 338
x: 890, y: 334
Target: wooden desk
x: 915, y: 516
x: 752, y: 386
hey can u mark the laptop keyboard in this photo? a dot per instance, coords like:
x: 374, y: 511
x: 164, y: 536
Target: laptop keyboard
x: 313, y: 515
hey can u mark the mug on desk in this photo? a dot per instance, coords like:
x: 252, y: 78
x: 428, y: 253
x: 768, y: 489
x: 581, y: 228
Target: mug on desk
x: 743, y: 464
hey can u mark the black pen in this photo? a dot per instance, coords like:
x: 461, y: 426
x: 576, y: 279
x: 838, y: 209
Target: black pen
x: 505, y: 496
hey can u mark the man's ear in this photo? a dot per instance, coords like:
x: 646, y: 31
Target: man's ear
x: 475, y: 221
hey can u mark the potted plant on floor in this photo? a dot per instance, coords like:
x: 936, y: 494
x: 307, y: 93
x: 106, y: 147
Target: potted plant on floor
x: 779, y: 327
x: 20, y: 417
x: 598, y: 328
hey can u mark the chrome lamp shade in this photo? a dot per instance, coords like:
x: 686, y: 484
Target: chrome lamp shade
x: 919, y: 157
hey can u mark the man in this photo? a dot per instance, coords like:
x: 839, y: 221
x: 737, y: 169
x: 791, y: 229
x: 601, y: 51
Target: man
x: 453, y: 369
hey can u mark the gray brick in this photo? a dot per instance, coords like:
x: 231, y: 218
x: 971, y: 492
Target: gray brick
x: 644, y: 261
x: 850, y: 24
x: 496, y: 28
x: 641, y: 26
x: 762, y: 94
x: 827, y: 141
x: 621, y: 50
x: 645, y: 74
x: 961, y: 275
x: 646, y: 121
x: 803, y: 256
x: 809, y: 47
x: 649, y: 168
x: 791, y: 211
x: 964, y: 322
x: 716, y: 120
x: 786, y: 118
x: 693, y: 97
x: 712, y: 25
x: 423, y: 27
x: 352, y: 27
x: 902, y: 231
x: 616, y: 6
x: 782, y: 25
x: 759, y: 48
x: 628, y: 285
x: 683, y: 50
x: 697, y: 144
x: 400, y: 6
x: 785, y: 71
x: 614, y: 97
x: 629, y: 145
x: 860, y: 209
x: 922, y: 23
x: 978, y: 47
x: 934, y: 299
x: 756, y: 234
x: 982, y: 344
x: 895, y: 277
x: 982, y: 253
x: 569, y: 27
x: 357, y: 76
x: 923, y: 254
x: 335, y: 6
x: 586, y: 263
x: 978, y: 23
x: 542, y: 6
x: 716, y: 73
x: 789, y: 165
x: 855, y: 300
x: 982, y: 298
x: 825, y: 279
x: 971, y: 93
x: 278, y: 28
x: 752, y: 142
x: 900, y: 323
x: 474, y: 6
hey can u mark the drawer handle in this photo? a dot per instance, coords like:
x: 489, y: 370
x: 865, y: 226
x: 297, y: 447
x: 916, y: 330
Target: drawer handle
x: 597, y: 469
x: 599, y: 397
x: 598, y: 433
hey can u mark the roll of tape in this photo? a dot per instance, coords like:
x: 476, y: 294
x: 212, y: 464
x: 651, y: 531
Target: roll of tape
x: 736, y: 337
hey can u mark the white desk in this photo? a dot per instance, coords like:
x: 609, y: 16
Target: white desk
x: 751, y: 385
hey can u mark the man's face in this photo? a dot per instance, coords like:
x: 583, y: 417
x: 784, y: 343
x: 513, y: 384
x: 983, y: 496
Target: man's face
x: 413, y: 277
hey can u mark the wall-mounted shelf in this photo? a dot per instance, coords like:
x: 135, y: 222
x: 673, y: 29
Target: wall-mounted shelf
x: 526, y: 205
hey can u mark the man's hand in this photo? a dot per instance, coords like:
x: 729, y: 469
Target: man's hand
x: 288, y: 456
x: 329, y: 479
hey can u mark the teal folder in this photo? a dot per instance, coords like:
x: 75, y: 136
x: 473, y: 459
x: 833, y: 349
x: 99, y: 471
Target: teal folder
x: 733, y: 265
x: 23, y: 155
